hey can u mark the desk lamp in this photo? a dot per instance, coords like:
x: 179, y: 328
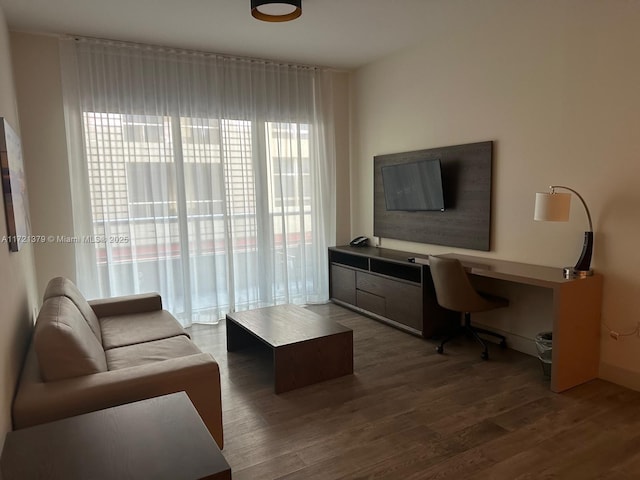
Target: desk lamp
x: 554, y: 207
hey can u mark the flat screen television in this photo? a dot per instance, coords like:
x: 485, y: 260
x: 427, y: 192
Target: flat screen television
x: 413, y: 187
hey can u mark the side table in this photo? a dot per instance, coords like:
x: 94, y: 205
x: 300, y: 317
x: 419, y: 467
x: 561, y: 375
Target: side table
x: 159, y: 438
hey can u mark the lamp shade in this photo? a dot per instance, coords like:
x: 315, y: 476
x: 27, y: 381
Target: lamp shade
x: 276, y: 10
x: 552, y: 207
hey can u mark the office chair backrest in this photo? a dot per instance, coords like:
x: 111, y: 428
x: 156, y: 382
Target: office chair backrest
x: 453, y: 288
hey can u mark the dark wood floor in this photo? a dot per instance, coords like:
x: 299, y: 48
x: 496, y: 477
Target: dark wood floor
x: 409, y: 413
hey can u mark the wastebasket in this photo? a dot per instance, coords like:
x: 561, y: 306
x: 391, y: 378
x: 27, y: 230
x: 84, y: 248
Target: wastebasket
x: 544, y: 347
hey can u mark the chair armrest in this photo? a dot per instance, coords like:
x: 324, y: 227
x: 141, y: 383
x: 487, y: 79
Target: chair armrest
x: 126, y: 305
x: 198, y: 375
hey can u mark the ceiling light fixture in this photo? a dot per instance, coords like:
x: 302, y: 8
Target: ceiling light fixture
x: 276, y: 10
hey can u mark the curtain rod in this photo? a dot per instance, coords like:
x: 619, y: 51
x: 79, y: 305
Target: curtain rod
x: 195, y: 53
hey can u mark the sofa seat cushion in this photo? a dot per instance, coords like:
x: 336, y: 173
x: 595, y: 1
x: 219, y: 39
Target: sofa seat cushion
x: 122, y: 330
x: 64, y: 344
x: 150, y: 352
x: 61, y: 286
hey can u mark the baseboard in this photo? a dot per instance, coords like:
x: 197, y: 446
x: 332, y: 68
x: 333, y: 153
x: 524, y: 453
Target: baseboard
x: 620, y: 376
x: 514, y: 342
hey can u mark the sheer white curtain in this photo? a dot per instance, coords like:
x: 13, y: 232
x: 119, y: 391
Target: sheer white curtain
x: 206, y: 178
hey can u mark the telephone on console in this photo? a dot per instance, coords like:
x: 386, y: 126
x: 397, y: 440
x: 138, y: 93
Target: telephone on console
x: 359, y: 242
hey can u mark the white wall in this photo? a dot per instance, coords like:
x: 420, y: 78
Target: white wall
x: 556, y: 85
x: 17, y: 280
x: 341, y: 124
x: 36, y: 64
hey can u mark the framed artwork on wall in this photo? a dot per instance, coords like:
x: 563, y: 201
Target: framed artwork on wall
x: 14, y: 187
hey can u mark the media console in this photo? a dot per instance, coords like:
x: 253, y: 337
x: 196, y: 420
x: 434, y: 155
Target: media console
x: 383, y: 284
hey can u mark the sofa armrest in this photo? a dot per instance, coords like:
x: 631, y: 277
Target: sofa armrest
x: 198, y: 375
x: 129, y: 304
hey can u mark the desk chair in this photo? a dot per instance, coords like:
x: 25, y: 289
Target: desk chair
x: 455, y: 292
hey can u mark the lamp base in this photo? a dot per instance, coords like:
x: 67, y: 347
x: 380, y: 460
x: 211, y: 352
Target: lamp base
x: 571, y: 272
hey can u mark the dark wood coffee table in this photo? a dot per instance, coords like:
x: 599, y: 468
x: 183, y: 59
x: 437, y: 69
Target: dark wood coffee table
x: 159, y: 438
x: 307, y: 348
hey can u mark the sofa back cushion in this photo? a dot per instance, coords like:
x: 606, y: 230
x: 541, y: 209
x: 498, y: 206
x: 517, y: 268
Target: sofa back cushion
x: 65, y: 345
x: 63, y: 286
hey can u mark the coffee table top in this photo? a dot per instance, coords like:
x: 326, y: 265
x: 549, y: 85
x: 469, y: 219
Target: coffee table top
x: 286, y: 324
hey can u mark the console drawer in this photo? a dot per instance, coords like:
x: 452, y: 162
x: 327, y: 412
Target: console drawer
x: 371, y: 303
x: 402, y: 302
x: 343, y: 284
x: 372, y: 283
x: 404, y: 305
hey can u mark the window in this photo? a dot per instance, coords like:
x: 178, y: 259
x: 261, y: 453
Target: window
x: 207, y: 173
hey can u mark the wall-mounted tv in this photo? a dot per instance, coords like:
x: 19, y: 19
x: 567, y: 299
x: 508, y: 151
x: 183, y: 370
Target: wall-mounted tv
x: 413, y: 187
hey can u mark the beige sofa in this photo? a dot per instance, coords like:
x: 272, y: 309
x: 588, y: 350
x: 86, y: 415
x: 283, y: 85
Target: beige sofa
x: 86, y: 356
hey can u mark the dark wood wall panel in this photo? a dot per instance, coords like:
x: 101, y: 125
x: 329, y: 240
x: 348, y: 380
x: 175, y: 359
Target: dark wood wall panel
x: 466, y: 221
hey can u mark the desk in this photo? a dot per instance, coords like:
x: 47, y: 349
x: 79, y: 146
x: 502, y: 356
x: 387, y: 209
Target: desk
x: 577, y: 306
x: 159, y: 438
x: 576, y: 309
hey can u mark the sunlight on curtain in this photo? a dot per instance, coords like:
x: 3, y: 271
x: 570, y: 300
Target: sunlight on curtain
x: 206, y: 178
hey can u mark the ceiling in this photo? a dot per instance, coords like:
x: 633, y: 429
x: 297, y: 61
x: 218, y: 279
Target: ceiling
x: 344, y: 34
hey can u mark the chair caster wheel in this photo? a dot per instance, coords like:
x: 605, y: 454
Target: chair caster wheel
x: 485, y: 355
x: 440, y: 349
